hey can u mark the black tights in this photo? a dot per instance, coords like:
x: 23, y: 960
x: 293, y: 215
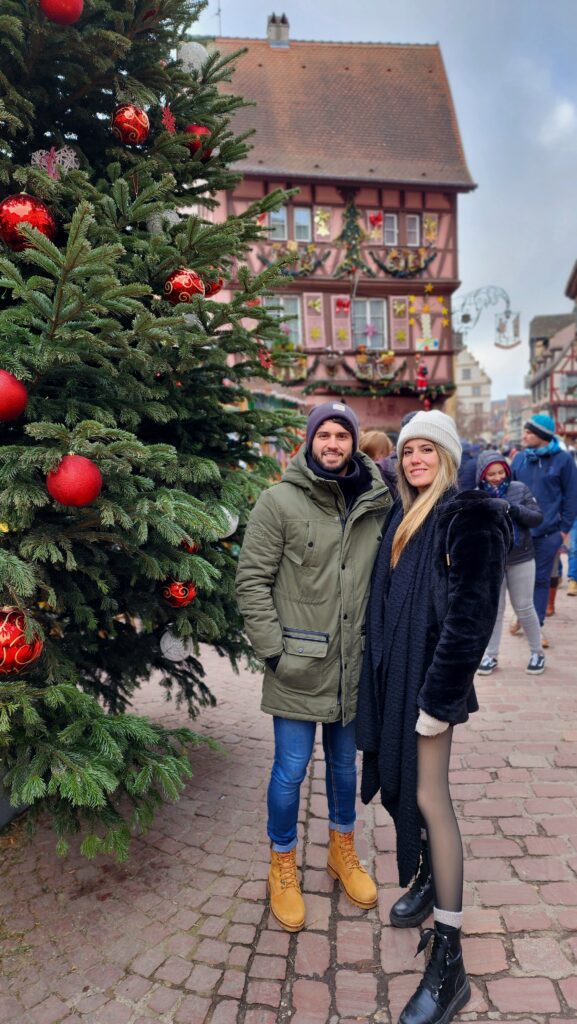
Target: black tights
x: 436, y: 807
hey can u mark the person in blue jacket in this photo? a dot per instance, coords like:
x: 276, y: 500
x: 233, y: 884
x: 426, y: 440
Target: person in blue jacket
x: 551, y: 475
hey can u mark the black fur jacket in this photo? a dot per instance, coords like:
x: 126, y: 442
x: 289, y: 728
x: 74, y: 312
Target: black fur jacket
x: 471, y: 540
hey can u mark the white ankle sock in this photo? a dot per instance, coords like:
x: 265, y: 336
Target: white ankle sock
x: 454, y: 918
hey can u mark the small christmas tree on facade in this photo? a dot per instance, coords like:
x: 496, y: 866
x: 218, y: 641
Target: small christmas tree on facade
x: 350, y: 239
x: 127, y: 453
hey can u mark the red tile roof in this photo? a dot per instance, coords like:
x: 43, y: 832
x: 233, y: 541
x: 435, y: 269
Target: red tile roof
x: 370, y: 112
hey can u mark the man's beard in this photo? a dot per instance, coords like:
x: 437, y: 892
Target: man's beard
x: 338, y: 468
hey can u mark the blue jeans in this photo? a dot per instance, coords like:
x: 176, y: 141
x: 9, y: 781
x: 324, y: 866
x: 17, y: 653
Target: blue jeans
x: 294, y: 742
x: 545, y: 550
x: 572, y: 570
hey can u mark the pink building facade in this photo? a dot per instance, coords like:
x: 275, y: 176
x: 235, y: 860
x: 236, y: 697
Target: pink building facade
x: 372, y: 230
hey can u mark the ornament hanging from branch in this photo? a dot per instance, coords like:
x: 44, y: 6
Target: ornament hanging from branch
x: 13, y: 397
x: 182, y: 286
x: 130, y: 124
x: 16, y: 652
x: 62, y: 12
x: 53, y: 161
x: 168, y: 119
x: 21, y: 209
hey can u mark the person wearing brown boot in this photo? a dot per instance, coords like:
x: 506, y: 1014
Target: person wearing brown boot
x: 432, y: 607
x: 302, y: 586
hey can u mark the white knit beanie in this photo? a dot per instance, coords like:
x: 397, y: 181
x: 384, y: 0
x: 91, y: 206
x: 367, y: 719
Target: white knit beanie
x: 433, y: 426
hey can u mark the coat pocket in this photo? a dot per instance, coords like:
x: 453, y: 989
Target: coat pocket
x: 305, y: 643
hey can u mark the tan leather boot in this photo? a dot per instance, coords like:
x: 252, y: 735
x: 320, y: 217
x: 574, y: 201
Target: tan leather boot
x: 551, y: 601
x: 571, y: 588
x: 286, y: 900
x: 344, y: 864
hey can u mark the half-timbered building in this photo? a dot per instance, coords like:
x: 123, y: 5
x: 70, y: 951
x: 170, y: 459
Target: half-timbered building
x: 367, y: 134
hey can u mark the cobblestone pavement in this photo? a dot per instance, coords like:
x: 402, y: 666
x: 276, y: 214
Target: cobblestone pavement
x: 181, y: 934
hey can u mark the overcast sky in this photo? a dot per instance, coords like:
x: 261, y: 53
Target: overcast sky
x: 513, y: 74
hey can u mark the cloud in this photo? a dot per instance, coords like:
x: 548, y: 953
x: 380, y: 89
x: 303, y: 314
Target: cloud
x: 560, y: 125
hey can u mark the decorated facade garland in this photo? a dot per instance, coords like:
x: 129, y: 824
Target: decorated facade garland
x: 306, y: 260
x: 404, y: 262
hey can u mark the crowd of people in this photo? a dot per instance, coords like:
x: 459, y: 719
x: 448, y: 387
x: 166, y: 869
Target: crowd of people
x: 373, y: 581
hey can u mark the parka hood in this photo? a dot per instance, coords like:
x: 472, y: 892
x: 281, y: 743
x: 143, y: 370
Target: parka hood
x: 485, y: 459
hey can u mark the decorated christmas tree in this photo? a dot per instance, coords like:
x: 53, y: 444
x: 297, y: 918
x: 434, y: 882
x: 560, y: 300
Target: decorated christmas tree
x: 130, y: 448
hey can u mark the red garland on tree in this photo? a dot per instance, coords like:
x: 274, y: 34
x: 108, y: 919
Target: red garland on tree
x: 62, y: 12
x: 182, y: 285
x: 24, y: 209
x: 200, y: 135
x: 76, y: 481
x: 16, y: 652
x: 13, y: 397
x: 178, y: 595
x: 130, y: 124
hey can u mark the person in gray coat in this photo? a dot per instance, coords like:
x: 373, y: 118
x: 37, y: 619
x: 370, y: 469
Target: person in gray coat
x: 494, y: 477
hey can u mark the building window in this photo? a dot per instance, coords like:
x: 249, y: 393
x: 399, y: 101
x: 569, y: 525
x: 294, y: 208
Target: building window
x: 391, y: 228
x: 369, y: 323
x: 290, y: 306
x: 303, y: 223
x: 277, y: 222
x: 476, y: 390
x: 413, y: 229
x: 465, y: 375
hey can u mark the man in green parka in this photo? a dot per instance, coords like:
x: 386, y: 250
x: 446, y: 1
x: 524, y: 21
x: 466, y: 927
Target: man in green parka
x: 302, y: 586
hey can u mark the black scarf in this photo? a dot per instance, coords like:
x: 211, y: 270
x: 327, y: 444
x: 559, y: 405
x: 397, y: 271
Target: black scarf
x: 393, y: 672
x: 356, y: 481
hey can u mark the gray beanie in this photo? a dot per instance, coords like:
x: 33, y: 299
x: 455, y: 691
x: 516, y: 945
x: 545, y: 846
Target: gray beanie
x: 432, y: 426
x: 333, y: 411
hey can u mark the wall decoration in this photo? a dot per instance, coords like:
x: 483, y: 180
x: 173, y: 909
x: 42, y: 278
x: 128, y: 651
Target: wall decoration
x: 350, y: 239
x: 375, y: 227
x: 308, y: 258
x: 314, y: 325
x: 430, y: 228
x: 398, y: 261
x: 322, y: 222
x: 421, y: 311
x: 399, y: 317
x: 341, y: 321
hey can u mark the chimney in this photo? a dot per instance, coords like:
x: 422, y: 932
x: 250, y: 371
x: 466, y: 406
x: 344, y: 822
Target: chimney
x: 277, y: 30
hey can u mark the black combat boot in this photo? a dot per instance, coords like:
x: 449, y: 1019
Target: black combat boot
x: 444, y: 988
x: 417, y: 903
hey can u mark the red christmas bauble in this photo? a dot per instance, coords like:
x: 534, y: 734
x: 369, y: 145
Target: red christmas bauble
x: 13, y: 396
x: 178, y: 595
x: 199, y: 137
x: 16, y: 652
x: 190, y: 548
x: 182, y: 285
x: 211, y: 287
x: 24, y: 209
x: 76, y: 481
x: 130, y: 124
x: 62, y: 12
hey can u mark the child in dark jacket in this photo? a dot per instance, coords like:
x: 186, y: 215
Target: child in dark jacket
x: 494, y: 477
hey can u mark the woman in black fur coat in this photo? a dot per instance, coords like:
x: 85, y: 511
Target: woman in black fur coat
x: 433, y: 602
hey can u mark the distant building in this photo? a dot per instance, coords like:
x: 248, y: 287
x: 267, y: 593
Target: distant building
x: 368, y: 134
x: 508, y: 415
x: 473, y: 412
x: 553, y: 366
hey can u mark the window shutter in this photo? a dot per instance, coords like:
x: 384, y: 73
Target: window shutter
x: 430, y: 228
x: 399, y: 313
x: 374, y: 226
x: 314, y: 321
x: 341, y: 320
x: 322, y: 223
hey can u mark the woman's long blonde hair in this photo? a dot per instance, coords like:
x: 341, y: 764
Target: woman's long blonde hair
x: 418, y: 504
